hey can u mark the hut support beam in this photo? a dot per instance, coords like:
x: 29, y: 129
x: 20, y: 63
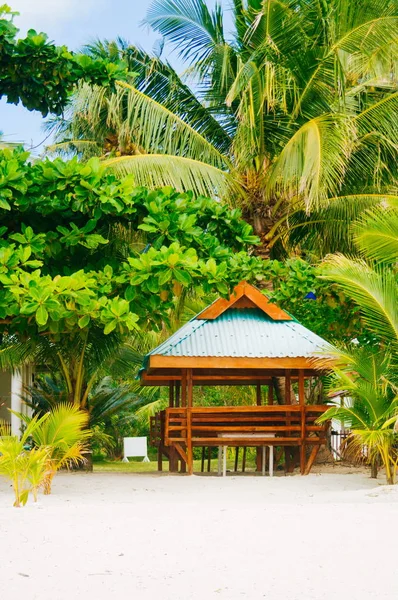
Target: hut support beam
x: 171, y: 394
x: 303, y: 418
x: 288, y: 400
x: 189, y: 397
x: 259, y: 451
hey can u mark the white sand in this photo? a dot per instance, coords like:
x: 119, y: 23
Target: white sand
x: 149, y: 537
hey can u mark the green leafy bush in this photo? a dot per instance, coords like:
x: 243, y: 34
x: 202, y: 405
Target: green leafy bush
x: 41, y: 75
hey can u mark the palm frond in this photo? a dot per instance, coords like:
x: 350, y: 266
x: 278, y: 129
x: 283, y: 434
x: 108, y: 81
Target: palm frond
x: 327, y: 229
x: 156, y: 128
x: 189, y: 25
x: 313, y: 163
x: 157, y: 79
x: 374, y: 290
x: 374, y: 45
x: 108, y: 398
x: 158, y: 170
x: 376, y: 234
x: 144, y: 413
x: 140, y: 122
x: 381, y: 117
x: 70, y: 147
x: 15, y: 352
x: 64, y: 426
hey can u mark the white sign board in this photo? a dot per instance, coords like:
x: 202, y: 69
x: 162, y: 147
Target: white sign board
x: 135, y: 446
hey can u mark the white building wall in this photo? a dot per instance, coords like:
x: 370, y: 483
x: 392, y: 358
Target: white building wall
x: 12, y: 390
x: 5, y: 395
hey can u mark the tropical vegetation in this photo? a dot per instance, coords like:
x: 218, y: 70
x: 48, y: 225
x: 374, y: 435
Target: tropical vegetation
x: 48, y: 443
x: 272, y: 160
x: 292, y: 113
x: 64, y: 434
x: 368, y: 374
x: 40, y: 75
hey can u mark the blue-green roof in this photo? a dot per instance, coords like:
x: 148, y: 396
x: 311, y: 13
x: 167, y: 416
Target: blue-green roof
x: 246, y: 332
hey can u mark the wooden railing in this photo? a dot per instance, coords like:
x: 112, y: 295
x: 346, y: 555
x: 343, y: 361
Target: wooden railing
x: 291, y: 425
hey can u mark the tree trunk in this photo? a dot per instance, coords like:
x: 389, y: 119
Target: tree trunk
x: 280, y: 391
x: 374, y: 468
x: 86, y: 464
x: 47, y: 483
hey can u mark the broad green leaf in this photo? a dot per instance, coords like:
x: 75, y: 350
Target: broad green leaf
x: 41, y: 316
x: 109, y: 327
x: 182, y: 276
x: 84, y: 321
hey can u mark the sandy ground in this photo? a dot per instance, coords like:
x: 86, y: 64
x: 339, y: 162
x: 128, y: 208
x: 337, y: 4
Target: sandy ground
x: 107, y: 536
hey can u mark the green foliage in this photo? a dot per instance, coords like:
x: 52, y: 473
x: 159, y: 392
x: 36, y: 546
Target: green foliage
x: 25, y: 468
x: 372, y: 285
x: 56, y: 272
x: 64, y: 434
x: 368, y: 375
x: 376, y: 234
x: 368, y: 378
x: 59, y: 437
x: 294, y: 112
x: 320, y: 306
x: 42, y: 76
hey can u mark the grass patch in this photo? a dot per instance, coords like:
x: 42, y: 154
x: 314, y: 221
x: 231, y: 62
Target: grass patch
x: 134, y: 466
x: 137, y: 466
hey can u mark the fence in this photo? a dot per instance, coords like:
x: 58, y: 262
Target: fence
x: 336, y: 440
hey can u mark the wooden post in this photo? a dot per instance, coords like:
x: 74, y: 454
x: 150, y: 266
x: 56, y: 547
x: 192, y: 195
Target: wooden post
x: 259, y: 454
x: 181, y: 395
x: 288, y: 397
x: 303, y: 418
x: 189, y: 398
x: 288, y: 400
x: 258, y: 394
x: 173, y: 460
x: 171, y: 394
x: 189, y: 389
x: 160, y: 458
x: 177, y: 394
x: 270, y: 393
x: 236, y: 458
x: 202, y: 462
x: 311, y: 459
x: 184, y: 387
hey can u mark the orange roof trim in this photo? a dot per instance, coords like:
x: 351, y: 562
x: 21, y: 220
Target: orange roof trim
x: 247, y: 291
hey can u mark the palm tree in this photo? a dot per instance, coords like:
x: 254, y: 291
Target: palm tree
x: 370, y: 383
x: 76, y: 364
x: 369, y: 374
x: 25, y: 469
x: 293, y: 114
x: 64, y: 434
x: 371, y: 280
x: 92, y: 372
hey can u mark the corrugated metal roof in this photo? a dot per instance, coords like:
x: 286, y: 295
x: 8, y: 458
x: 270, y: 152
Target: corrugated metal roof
x: 248, y: 333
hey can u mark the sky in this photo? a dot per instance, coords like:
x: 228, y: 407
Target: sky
x: 73, y: 23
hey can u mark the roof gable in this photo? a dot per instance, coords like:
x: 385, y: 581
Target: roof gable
x: 244, y: 296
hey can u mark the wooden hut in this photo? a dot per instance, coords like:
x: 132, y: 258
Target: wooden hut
x: 245, y: 340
